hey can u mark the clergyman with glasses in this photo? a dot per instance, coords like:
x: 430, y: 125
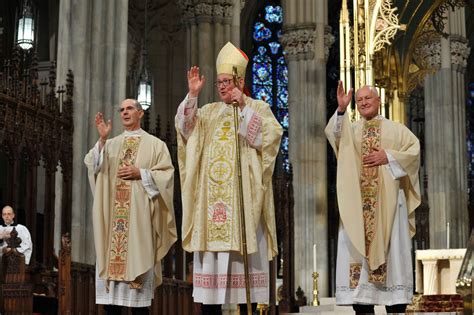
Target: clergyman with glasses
x: 131, y: 177
x: 207, y: 162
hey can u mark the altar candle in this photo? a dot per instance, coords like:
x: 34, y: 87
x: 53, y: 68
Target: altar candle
x: 314, y: 257
x: 447, y: 235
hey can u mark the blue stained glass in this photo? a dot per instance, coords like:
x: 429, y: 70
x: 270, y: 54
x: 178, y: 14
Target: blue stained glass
x: 282, y: 75
x: 264, y: 93
x: 261, y: 32
x: 262, y: 73
x: 269, y: 69
x: 286, y: 164
x: 262, y: 59
x: 285, y: 121
x: 274, y: 47
x: 284, y: 143
x: 282, y: 98
x: 274, y: 14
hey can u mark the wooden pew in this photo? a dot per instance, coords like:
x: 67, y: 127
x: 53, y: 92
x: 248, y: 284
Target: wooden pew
x: 73, y: 286
x: 17, y: 289
x: 64, y: 275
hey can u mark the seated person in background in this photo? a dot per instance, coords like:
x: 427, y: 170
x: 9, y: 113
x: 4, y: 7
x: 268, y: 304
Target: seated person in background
x: 26, y: 246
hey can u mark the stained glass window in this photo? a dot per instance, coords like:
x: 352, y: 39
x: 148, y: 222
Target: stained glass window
x: 269, y: 68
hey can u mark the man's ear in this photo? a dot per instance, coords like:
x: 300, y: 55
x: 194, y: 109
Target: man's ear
x: 241, y: 83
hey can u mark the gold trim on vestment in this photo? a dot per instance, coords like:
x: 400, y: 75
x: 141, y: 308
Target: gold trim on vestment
x: 221, y: 179
x: 369, y: 183
x: 120, y: 220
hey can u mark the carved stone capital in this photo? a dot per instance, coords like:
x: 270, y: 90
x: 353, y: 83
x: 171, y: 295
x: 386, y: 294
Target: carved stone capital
x: 218, y: 10
x: 222, y: 9
x: 427, y: 52
x: 187, y: 8
x: 203, y: 10
x: 431, y: 55
x: 298, y: 43
x: 228, y: 11
x: 206, y: 11
x: 459, y: 50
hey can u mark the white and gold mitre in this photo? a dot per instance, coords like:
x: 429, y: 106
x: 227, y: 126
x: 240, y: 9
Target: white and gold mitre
x: 229, y: 57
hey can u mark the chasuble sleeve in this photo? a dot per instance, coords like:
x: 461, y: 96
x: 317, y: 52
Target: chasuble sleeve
x: 348, y: 183
x: 333, y: 130
x: 186, y: 116
x: 407, y: 156
x: 271, y: 131
x: 271, y: 137
x: 163, y: 216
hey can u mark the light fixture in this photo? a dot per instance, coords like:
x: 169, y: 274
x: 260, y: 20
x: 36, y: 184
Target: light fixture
x: 25, y: 35
x: 145, y: 85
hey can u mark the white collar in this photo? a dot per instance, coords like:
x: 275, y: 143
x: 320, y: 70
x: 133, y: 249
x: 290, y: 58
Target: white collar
x: 137, y: 132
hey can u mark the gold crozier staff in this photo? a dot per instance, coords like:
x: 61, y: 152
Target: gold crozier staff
x: 243, y: 233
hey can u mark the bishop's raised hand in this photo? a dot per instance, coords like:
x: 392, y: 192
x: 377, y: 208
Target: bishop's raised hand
x: 343, y: 99
x: 195, y: 81
x: 103, y: 128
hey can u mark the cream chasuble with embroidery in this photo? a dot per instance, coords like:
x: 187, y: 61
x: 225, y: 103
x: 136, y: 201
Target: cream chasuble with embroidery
x: 368, y: 197
x: 132, y: 232
x: 209, y: 182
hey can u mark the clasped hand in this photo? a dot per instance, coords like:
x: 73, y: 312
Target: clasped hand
x: 376, y: 158
x: 129, y: 172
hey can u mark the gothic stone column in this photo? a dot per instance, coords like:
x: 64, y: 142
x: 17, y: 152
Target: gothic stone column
x: 445, y: 135
x: 92, y: 42
x: 209, y: 25
x: 306, y: 40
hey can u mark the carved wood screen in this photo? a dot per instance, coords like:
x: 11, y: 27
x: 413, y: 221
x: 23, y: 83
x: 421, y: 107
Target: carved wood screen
x: 35, y: 139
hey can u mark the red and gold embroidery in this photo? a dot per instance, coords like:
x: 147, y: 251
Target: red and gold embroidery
x: 371, y: 133
x: 214, y: 281
x: 369, y: 180
x: 121, y: 214
x: 378, y: 275
x: 254, y: 128
x: 354, y: 274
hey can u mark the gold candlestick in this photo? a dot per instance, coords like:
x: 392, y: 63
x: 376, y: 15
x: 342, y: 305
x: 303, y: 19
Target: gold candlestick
x: 315, y: 289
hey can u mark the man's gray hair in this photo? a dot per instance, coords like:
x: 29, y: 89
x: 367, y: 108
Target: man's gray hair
x: 137, y: 104
x: 371, y: 88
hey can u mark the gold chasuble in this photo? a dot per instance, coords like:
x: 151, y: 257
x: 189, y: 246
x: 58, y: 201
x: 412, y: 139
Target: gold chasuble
x: 367, y: 197
x: 132, y: 232
x: 207, y: 161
